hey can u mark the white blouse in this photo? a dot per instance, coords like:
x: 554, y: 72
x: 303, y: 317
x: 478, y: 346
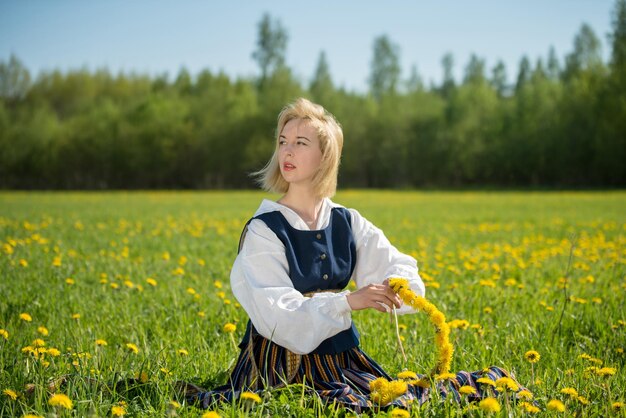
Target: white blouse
x: 260, y: 280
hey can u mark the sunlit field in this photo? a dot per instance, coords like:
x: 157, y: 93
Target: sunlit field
x: 99, y: 288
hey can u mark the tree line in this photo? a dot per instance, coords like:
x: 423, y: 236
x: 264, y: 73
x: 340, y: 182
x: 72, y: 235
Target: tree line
x: 561, y: 124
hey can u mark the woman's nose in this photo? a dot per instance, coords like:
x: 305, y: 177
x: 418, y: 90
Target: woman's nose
x: 288, y: 149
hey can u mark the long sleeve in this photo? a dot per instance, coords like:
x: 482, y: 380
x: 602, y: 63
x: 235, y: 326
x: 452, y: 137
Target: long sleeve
x: 378, y: 259
x: 261, y: 283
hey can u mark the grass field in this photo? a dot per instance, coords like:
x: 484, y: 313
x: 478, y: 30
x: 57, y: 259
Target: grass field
x: 100, y: 287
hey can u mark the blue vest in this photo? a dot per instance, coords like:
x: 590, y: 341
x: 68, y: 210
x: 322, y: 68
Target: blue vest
x: 318, y: 260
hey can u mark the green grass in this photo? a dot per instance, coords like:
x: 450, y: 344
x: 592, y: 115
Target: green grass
x: 499, y: 260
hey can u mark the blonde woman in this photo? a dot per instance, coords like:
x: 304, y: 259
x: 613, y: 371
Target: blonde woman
x: 296, y: 258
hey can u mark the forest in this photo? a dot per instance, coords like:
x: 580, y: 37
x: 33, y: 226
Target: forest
x: 561, y: 124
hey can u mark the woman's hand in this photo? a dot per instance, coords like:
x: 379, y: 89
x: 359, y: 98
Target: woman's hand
x: 376, y: 296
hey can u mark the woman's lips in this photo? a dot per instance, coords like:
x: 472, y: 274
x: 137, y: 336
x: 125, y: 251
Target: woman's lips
x: 288, y: 167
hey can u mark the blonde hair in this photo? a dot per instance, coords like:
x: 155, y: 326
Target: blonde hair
x: 330, y: 135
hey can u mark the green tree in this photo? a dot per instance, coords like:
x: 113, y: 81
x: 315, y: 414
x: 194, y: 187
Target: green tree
x: 553, y: 66
x: 523, y: 74
x: 321, y: 87
x: 448, y: 84
x: 385, y: 68
x: 586, y: 54
x: 271, y: 46
x: 475, y: 70
x: 14, y: 80
x: 498, y: 78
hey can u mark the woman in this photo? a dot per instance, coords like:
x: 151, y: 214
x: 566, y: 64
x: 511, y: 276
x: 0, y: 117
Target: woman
x: 296, y: 258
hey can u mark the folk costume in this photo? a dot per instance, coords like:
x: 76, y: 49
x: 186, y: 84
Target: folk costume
x: 291, y: 281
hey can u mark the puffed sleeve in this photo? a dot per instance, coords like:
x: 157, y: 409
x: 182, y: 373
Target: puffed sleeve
x: 260, y: 282
x: 377, y: 259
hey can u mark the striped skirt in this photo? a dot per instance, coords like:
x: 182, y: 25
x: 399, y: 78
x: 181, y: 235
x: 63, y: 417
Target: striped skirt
x: 342, y: 378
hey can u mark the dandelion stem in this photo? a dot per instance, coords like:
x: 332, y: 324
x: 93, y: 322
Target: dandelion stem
x: 395, y: 317
x: 565, y: 285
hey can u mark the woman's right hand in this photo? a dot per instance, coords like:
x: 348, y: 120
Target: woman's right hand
x: 377, y: 296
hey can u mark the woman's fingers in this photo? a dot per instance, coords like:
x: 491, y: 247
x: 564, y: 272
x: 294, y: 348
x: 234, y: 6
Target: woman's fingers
x: 376, y: 296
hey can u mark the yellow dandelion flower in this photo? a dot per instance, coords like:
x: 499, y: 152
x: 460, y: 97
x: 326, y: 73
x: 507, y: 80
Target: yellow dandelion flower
x: 76, y: 316
x: 618, y: 406
x: 486, y: 381
x: 179, y: 271
x: 407, y: 375
x: 101, y: 343
x: 528, y: 407
x: 56, y: 262
x: 151, y: 281
x: 165, y: 256
x: 60, y: 400
x: 70, y: 281
x: 132, y: 348
x: 43, y: 331
x: 507, y: 383
x: 583, y: 400
x: 4, y: 334
x: 10, y: 393
x: 445, y: 376
x: 397, y: 388
x: 217, y: 284
x: 201, y: 314
x: 459, y: 323
x: 118, y: 410
x: 26, y: 317
x: 556, y: 405
x: 250, y: 396
x: 606, y: 371
x: 38, y: 342
x: 54, y: 352
x: 399, y: 413
x: 524, y: 394
x: 378, y: 384
x: 210, y: 414
x: 487, y: 283
x: 532, y: 356
x: 487, y: 310
x: 183, y: 352
x: 229, y: 328
x: 31, y: 416
x: 191, y: 291
x: 489, y: 405
x: 8, y: 249
x: 23, y: 263
x: 573, y: 393
x: 467, y: 390
x: 174, y: 404
x: 165, y: 371
x: 142, y: 377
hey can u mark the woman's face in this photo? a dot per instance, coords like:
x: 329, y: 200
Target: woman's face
x: 299, y: 152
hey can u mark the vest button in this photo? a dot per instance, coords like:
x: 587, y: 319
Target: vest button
x: 323, y: 256
x: 325, y: 277
x: 318, y: 236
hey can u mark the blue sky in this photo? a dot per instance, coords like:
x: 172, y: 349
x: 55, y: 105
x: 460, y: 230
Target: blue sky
x: 156, y: 37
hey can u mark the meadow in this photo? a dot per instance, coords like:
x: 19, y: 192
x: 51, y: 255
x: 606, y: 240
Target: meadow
x: 98, y: 288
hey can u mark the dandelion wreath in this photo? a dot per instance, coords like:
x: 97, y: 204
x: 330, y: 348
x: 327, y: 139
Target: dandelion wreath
x: 383, y: 391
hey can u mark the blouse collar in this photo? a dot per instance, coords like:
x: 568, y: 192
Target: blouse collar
x: 293, y: 218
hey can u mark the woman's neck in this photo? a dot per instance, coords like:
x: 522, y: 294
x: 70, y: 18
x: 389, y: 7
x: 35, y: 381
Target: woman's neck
x: 306, y: 205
